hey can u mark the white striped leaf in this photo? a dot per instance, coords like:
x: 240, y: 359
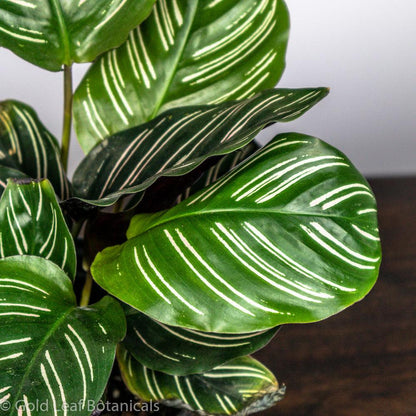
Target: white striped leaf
x: 223, y: 166
x: 241, y: 386
x: 9, y: 173
x: 27, y: 146
x: 31, y: 222
x: 51, y: 351
x: 169, y: 191
x: 181, y: 351
x: 289, y: 236
x: 51, y: 33
x: 188, y: 52
x: 179, y: 140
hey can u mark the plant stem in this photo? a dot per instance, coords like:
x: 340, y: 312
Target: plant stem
x: 76, y: 228
x: 67, y: 123
x: 86, y: 290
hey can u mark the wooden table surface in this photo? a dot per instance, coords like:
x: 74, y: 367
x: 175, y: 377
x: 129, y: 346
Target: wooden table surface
x: 361, y: 362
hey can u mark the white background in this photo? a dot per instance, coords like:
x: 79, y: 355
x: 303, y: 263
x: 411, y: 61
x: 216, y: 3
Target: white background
x: 364, y: 50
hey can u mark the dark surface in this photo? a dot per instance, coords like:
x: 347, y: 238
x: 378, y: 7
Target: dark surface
x: 362, y: 361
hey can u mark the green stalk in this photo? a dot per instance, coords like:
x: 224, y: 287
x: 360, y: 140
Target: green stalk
x: 86, y: 291
x: 67, y: 124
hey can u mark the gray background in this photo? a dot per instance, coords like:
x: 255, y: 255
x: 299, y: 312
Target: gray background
x: 364, y: 50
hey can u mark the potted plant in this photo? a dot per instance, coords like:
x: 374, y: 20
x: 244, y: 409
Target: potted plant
x: 195, y: 244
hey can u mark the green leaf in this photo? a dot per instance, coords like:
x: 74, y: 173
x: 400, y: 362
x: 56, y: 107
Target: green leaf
x: 51, y: 33
x: 189, y: 52
x: 241, y: 386
x: 179, y: 140
x: 31, y: 222
x: 26, y: 145
x: 181, y: 351
x: 51, y: 350
x: 289, y: 236
x: 9, y: 173
x: 223, y: 166
x: 169, y: 191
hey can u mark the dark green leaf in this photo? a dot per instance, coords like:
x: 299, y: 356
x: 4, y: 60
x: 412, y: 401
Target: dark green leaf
x: 31, y: 222
x: 181, y: 351
x: 223, y: 166
x: 50, y: 350
x: 50, y: 33
x: 26, y: 145
x: 288, y: 236
x: 189, y: 52
x: 9, y: 173
x: 168, y: 191
x: 241, y: 386
x: 179, y: 140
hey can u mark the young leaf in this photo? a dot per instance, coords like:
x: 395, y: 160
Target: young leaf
x: 51, y: 351
x: 181, y: 351
x: 51, y: 33
x: 26, y: 145
x: 179, y: 140
x: 241, y: 386
x: 188, y: 52
x: 31, y: 222
x: 289, y: 236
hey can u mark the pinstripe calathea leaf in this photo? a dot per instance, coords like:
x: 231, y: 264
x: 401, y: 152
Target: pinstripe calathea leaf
x: 169, y: 191
x: 6, y: 173
x: 289, y: 236
x: 179, y: 140
x: 188, y: 52
x: 28, y: 147
x: 31, y: 223
x: 181, y: 351
x: 51, y: 33
x: 52, y: 352
x: 223, y: 166
x: 240, y: 387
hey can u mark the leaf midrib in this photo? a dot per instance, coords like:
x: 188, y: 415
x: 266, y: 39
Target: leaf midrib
x: 250, y: 211
x: 169, y: 81
x: 35, y: 356
x: 62, y: 30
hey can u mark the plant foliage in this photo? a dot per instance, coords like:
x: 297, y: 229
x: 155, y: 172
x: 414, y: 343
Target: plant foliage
x: 198, y: 243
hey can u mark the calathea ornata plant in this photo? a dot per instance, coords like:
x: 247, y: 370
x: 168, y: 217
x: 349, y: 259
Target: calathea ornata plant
x: 197, y: 245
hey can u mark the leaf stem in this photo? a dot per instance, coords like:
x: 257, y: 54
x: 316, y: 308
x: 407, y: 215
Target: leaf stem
x: 67, y: 119
x: 86, y: 290
x: 76, y: 229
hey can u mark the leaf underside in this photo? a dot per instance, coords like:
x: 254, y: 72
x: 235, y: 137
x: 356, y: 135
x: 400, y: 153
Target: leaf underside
x: 289, y: 236
x: 188, y: 52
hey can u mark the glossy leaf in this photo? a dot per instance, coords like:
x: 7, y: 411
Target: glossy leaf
x: 181, y: 351
x: 189, y: 52
x: 9, y: 173
x: 179, y: 140
x: 241, y: 386
x: 168, y: 191
x: 26, y: 146
x: 51, y: 33
x: 31, y: 222
x: 223, y: 166
x: 289, y: 236
x: 51, y: 351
